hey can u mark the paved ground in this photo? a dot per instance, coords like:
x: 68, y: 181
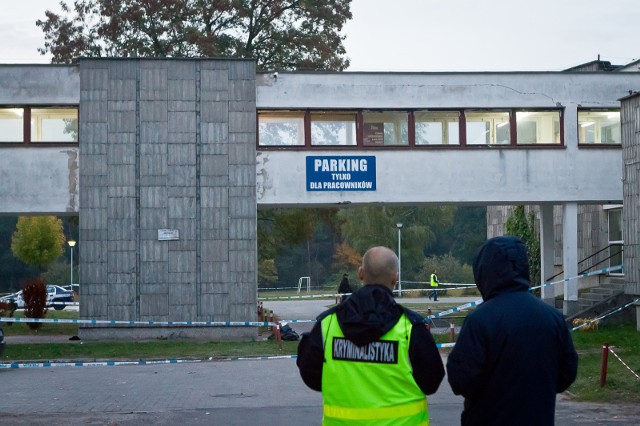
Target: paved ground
x: 215, y: 393
x: 209, y: 393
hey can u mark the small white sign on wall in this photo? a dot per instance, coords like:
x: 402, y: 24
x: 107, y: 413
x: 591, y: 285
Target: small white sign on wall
x: 168, y: 234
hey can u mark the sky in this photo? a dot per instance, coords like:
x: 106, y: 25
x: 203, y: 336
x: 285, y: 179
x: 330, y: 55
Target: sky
x: 432, y: 35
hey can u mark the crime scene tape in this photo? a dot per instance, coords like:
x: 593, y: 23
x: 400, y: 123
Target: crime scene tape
x: 623, y: 363
x: 615, y: 311
x: 115, y: 322
x: 456, y: 309
x: 588, y: 274
x: 428, y: 283
x: 478, y: 302
x: 92, y: 364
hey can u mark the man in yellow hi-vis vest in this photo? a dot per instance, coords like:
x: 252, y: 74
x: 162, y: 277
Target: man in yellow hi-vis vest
x: 434, y: 287
x: 373, y: 359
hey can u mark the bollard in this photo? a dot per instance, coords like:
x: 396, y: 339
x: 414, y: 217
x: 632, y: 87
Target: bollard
x: 603, y: 369
x: 279, y: 337
x: 452, y: 332
x: 430, y: 323
x: 273, y: 328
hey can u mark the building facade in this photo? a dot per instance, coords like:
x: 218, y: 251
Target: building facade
x: 167, y: 160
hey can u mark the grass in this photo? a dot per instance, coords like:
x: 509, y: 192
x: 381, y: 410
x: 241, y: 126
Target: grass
x: 621, y: 384
x: 94, y: 351
x: 22, y: 329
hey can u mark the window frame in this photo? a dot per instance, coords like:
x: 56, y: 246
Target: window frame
x: 411, y: 117
x: 597, y: 145
x: 27, y: 139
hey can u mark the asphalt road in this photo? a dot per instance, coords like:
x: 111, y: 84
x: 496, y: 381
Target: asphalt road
x: 216, y: 393
x: 210, y: 393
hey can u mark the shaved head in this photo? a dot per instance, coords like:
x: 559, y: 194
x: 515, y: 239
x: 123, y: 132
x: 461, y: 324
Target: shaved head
x: 379, y: 266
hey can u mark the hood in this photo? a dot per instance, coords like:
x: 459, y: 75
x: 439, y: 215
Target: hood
x: 368, y: 314
x: 501, y: 266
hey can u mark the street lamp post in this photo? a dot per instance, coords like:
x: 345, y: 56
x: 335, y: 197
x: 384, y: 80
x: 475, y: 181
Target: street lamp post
x: 71, y: 244
x: 399, y: 225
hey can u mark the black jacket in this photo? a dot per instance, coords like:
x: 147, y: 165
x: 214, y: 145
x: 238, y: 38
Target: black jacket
x: 514, y: 352
x: 344, y: 286
x: 366, y: 316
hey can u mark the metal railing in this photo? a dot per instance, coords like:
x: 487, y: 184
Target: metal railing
x: 593, y: 266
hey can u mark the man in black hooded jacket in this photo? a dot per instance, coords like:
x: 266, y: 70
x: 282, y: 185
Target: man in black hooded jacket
x: 514, y: 352
x: 364, y: 318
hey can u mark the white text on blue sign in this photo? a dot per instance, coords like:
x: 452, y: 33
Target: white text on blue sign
x: 341, y: 173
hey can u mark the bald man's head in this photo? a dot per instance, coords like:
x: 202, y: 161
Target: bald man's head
x: 379, y: 266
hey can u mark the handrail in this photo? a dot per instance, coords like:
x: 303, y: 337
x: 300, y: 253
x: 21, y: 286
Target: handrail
x: 589, y: 257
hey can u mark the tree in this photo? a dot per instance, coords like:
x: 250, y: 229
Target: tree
x: 365, y: 227
x: 449, y: 269
x: 279, y: 34
x: 38, y: 240
x: 267, y: 272
x: 521, y: 225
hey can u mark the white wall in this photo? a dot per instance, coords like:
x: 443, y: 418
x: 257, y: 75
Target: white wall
x: 478, y: 174
x: 39, y: 180
x: 483, y: 176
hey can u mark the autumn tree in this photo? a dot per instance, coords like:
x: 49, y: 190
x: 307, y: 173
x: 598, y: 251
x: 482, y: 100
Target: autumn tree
x: 38, y: 240
x: 365, y: 227
x: 279, y: 34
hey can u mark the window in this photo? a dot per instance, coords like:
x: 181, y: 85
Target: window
x: 385, y: 128
x: 437, y: 127
x: 538, y: 127
x: 599, y: 127
x: 41, y: 124
x: 54, y: 125
x: 488, y: 128
x: 333, y: 128
x: 12, y: 125
x: 616, y: 243
x: 281, y: 128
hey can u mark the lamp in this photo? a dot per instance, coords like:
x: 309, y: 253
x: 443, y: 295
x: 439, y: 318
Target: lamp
x: 399, y: 225
x: 71, y: 243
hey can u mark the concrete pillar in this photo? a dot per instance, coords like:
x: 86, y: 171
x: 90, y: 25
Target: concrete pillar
x: 570, y: 256
x: 547, y: 252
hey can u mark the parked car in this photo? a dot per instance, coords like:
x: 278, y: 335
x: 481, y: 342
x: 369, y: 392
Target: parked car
x: 55, y: 293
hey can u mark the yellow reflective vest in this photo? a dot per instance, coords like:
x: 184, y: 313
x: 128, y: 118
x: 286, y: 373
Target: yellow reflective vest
x: 434, y: 280
x: 371, y: 384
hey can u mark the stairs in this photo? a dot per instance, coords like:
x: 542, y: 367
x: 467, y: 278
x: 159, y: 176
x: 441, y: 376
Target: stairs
x: 609, y: 287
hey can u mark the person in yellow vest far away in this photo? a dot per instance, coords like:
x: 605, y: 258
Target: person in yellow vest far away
x: 434, y: 287
x: 373, y: 359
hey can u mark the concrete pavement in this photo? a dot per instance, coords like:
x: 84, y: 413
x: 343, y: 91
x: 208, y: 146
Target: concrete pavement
x: 242, y: 393
x: 216, y: 393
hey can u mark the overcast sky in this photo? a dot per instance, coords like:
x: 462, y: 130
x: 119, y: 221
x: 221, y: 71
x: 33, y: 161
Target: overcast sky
x: 433, y: 35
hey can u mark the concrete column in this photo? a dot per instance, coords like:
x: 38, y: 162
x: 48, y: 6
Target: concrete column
x: 547, y: 252
x: 570, y: 256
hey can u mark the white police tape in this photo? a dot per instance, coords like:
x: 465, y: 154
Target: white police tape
x: 615, y: 311
x: 588, y: 274
x: 92, y: 364
x: 454, y: 310
x: 115, y: 322
x: 478, y: 302
x: 65, y: 303
x: 430, y: 288
x: 623, y: 363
